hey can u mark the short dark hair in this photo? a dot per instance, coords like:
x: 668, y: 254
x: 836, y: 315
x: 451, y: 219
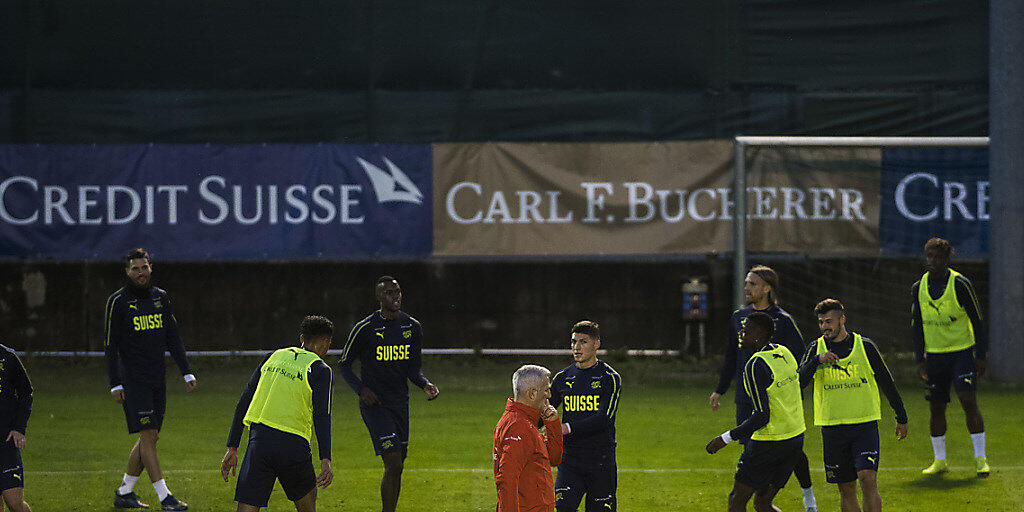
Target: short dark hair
x: 135, y: 254
x: 763, y: 320
x: 314, y: 326
x: 771, y: 277
x: 939, y: 244
x: 588, y: 327
x: 383, y: 279
x: 829, y: 305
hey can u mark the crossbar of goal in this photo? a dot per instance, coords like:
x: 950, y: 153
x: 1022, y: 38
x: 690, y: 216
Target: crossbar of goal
x: 739, y: 185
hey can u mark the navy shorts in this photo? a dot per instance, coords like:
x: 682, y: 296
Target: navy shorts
x: 12, y: 473
x: 765, y: 464
x: 274, y: 455
x: 596, y: 477
x: 849, y: 449
x: 956, y: 368
x: 144, y: 405
x: 388, y: 426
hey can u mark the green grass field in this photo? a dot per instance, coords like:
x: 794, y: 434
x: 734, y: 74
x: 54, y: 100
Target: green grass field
x: 77, y: 443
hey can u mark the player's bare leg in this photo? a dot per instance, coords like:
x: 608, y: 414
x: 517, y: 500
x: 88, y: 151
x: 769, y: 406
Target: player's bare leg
x: 763, y: 500
x: 848, y: 497
x: 147, y: 452
x: 307, y: 503
x: 869, y: 488
x: 135, y: 466
x: 245, y: 507
x: 15, y: 500
x: 391, y: 483
x: 937, y: 421
x: 969, y: 401
x: 739, y: 496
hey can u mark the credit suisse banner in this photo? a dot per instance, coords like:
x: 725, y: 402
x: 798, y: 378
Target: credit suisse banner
x: 649, y: 198
x: 930, y: 192
x: 216, y: 202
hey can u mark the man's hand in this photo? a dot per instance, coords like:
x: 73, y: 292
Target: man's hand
x: 713, y: 401
x: 827, y: 357
x: 901, y: 431
x: 565, y: 428
x: 923, y: 372
x: 979, y: 367
x: 19, y: 439
x: 715, y: 444
x: 191, y: 385
x: 118, y: 395
x: 326, y: 475
x: 368, y: 397
x: 431, y: 390
x: 229, y: 462
x: 549, y: 413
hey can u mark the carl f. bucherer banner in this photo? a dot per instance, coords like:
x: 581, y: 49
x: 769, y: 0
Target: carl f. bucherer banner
x: 526, y: 199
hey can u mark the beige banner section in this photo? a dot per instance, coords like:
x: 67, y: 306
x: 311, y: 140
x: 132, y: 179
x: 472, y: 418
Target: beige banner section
x: 538, y: 199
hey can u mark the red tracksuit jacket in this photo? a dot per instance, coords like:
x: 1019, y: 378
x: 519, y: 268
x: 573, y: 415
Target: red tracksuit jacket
x: 523, y: 458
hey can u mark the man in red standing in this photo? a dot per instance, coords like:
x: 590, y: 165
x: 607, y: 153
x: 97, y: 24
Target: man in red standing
x: 523, y: 456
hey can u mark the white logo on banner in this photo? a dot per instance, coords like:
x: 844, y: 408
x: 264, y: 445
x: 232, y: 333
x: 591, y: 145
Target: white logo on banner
x: 393, y: 186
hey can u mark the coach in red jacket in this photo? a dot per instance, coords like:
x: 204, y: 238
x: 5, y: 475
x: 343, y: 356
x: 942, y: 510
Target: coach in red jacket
x: 523, y: 456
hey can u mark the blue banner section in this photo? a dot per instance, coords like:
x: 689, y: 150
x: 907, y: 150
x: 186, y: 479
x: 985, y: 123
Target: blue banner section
x: 215, y: 202
x: 931, y: 192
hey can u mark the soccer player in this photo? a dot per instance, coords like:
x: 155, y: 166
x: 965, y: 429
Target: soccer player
x: 287, y: 398
x: 848, y: 371
x: 15, y: 408
x: 950, y: 342
x: 387, y: 344
x: 522, y: 455
x: 588, y: 392
x: 760, y: 290
x: 775, y: 429
x: 139, y: 327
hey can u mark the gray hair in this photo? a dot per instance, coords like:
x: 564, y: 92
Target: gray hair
x: 528, y: 377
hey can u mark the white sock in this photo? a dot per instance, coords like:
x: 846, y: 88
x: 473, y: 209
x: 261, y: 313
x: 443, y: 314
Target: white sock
x: 809, y: 500
x: 939, y: 447
x: 127, y: 484
x: 161, y: 489
x: 979, y: 444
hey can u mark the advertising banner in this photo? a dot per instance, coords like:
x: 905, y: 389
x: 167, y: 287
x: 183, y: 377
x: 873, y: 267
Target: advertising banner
x: 929, y: 192
x: 216, y: 202
x: 523, y: 199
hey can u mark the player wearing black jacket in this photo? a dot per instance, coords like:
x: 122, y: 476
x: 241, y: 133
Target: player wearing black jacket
x: 139, y: 326
x: 760, y: 292
x: 387, y: 345
x: 15, y: 408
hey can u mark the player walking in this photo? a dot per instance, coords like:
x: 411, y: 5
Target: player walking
x: 588, y: 392
x: 15, y: 408
x: 760, y: 290
x: 775, y: 429
x: 287, y: 398
x: 950, y: 341
x: 387, y: 345
x: 139, y: 327
x: 848, y: 371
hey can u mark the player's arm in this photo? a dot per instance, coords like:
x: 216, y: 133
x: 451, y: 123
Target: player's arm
x: 790, y: 336
x: 320, y: 380
x: 728, y: 371
x: 608, y: 405
x: 174, y: 343
x: 235, y: 434
x: 23, y: 389
x: 966, y: 296
x: 809, y: 364
x: 885, y: 381
x: 757, y: 377
x: 112, y: 322
x: 511, y: 453
x: 556, y: 390
x: 349, y: 354
x: 415, y: 369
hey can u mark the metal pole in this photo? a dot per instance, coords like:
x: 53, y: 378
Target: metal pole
x: 739, y: 222
x: 1006, y: 174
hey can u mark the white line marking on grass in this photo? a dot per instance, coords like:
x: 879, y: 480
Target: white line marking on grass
x: 486, y: 470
